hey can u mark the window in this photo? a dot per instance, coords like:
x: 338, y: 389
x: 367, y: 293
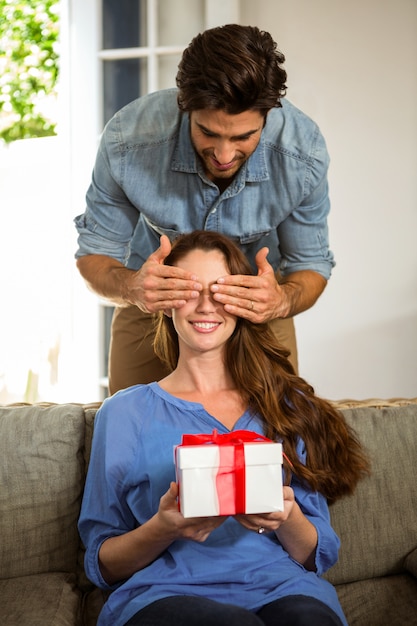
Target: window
x: 122, y: 49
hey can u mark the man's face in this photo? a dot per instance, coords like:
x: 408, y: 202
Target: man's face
x: 224, y: 142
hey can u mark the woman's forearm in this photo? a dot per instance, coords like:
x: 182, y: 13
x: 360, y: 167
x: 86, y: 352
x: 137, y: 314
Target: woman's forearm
x: 123, y: 555
x: 298, y: 536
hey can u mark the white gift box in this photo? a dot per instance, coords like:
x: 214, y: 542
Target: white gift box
x: 230, y: 478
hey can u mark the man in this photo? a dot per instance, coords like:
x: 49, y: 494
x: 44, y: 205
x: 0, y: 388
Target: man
x: 222, y: 153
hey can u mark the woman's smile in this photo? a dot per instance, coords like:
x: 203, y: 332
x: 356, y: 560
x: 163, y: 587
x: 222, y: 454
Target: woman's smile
x: 205, y: 327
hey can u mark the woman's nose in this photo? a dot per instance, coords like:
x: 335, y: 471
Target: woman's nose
x: 205, y: 301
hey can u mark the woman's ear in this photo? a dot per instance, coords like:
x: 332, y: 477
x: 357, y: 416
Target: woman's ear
x: 168, y: 312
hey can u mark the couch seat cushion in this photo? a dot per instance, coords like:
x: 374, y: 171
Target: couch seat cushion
x: 386, y: 601
x: 411, y: 563
x: 40, y: 600
x: 93, y: 602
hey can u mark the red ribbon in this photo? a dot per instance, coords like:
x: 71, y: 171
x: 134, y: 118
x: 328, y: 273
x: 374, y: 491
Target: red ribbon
x: 236, y: 436
x: 230, y: 479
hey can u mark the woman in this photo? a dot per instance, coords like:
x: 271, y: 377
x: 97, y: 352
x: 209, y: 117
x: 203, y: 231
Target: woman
x: 228, y: 374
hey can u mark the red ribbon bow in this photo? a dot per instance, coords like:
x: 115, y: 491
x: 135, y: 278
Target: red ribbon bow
x: 230, y: 479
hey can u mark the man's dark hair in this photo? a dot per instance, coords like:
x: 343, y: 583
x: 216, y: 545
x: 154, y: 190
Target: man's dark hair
x: 233, y: 68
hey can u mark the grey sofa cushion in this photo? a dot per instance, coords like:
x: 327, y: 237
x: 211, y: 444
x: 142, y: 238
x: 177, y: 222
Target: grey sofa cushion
x: 42, y: 478
x: 378, y: 525
x: 40, y: 599
x: 411, y: 562
x: 386, y: 601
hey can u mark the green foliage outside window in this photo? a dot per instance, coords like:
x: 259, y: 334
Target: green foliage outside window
x: 29, y: 31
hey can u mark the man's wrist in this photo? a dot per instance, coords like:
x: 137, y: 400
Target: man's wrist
x: 301, y: 290
x: 121, y: 278
x: 287, y: 295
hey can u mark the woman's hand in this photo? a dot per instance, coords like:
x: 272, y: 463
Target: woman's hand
x: 296, y: 534
x: 193, y: 528
x: 269, y: 521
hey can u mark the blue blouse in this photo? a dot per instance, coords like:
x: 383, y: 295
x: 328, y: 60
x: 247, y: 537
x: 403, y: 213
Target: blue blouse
x: 131, y: 467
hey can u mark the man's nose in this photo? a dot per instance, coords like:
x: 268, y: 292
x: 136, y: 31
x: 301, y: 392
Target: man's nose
x: 224, y: 152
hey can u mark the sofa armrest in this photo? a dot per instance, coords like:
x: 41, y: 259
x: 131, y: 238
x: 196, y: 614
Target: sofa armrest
x: 410, y: 562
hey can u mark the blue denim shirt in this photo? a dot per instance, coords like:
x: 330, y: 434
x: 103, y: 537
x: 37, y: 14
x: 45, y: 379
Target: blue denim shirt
x: 148, y: 180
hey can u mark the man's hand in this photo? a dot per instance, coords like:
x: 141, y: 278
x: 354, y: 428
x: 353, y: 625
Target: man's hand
x: 154, y: 287
x: 261, y: 298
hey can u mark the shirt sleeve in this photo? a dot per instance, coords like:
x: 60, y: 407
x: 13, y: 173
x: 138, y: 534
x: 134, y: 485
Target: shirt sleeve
x: 315, y: 508
x: 104, y: 511
x: 107, y: 225
x: 303, y: 235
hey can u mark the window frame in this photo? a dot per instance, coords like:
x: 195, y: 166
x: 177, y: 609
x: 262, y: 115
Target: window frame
x: 83, y: 42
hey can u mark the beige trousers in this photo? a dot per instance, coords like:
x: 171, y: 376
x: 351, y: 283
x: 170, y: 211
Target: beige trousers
x: 132, y: 359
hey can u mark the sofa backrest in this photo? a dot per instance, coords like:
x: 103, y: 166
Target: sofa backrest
x: 44, y: 452
x: 42, y: 472
x: 378, y: 524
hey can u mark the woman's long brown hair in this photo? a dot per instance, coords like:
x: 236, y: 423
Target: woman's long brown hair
x: 262, y: 373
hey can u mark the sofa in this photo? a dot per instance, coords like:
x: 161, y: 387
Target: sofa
x: 44, y: 453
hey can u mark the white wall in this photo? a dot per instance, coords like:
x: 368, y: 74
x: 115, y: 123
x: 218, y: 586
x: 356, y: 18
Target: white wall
x: 352, y: 66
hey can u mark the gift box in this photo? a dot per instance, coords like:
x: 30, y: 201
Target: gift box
x: 225, y: 474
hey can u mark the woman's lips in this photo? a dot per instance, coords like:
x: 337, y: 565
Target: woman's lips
x: 205, y: 327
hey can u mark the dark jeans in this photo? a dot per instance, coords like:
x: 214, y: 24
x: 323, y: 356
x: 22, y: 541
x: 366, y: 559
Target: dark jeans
x: 194, y: 611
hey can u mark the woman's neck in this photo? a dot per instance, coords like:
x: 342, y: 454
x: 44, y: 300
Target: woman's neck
x: 199, y: 374
x: 205, y: 381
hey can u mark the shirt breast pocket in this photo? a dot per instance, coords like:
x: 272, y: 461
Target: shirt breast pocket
x: 253, y: 237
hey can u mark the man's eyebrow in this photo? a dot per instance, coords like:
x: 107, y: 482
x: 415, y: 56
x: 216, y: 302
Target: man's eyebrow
x: 206, y: 130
